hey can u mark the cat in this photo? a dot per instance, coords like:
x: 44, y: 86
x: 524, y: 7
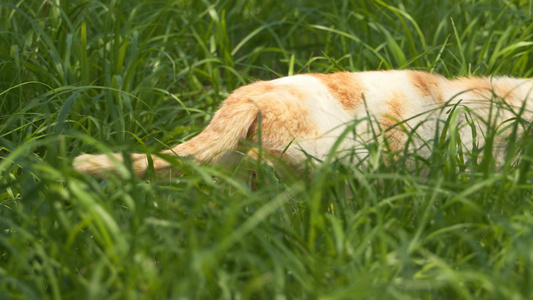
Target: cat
x: 301, y: 116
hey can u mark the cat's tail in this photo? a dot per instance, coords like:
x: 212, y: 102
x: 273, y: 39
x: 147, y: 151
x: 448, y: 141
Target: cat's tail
x: 232, y: 123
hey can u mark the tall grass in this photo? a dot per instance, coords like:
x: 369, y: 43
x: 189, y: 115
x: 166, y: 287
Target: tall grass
x: 95, y: 76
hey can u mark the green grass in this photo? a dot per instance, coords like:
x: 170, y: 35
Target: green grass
x: 95, y: 76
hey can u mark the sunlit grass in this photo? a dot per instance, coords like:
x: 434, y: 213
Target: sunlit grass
x: 138, y: 76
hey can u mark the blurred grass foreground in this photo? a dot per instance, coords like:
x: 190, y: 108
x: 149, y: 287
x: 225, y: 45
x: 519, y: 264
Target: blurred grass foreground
x: 138, y: 76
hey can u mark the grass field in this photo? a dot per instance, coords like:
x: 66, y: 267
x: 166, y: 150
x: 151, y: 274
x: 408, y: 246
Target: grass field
x: 140, y: 75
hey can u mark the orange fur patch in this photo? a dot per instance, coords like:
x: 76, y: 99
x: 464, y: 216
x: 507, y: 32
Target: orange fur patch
x: 507, y: 92
x: 248, y: 92
x: 394, y: 133
x: 480, y: 86
x: 428, y: 85
x: 390, y: 120
x: 486, y: 89
x: 283, y: 118
x: 345, y: 87
x: 396, y: 105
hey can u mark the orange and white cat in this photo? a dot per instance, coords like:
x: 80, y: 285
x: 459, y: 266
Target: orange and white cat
x: 306, y: 114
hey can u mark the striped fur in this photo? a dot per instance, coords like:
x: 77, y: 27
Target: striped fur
x: 307, y: 114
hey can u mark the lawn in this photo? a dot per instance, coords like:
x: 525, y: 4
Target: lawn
x: 141, y: 75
